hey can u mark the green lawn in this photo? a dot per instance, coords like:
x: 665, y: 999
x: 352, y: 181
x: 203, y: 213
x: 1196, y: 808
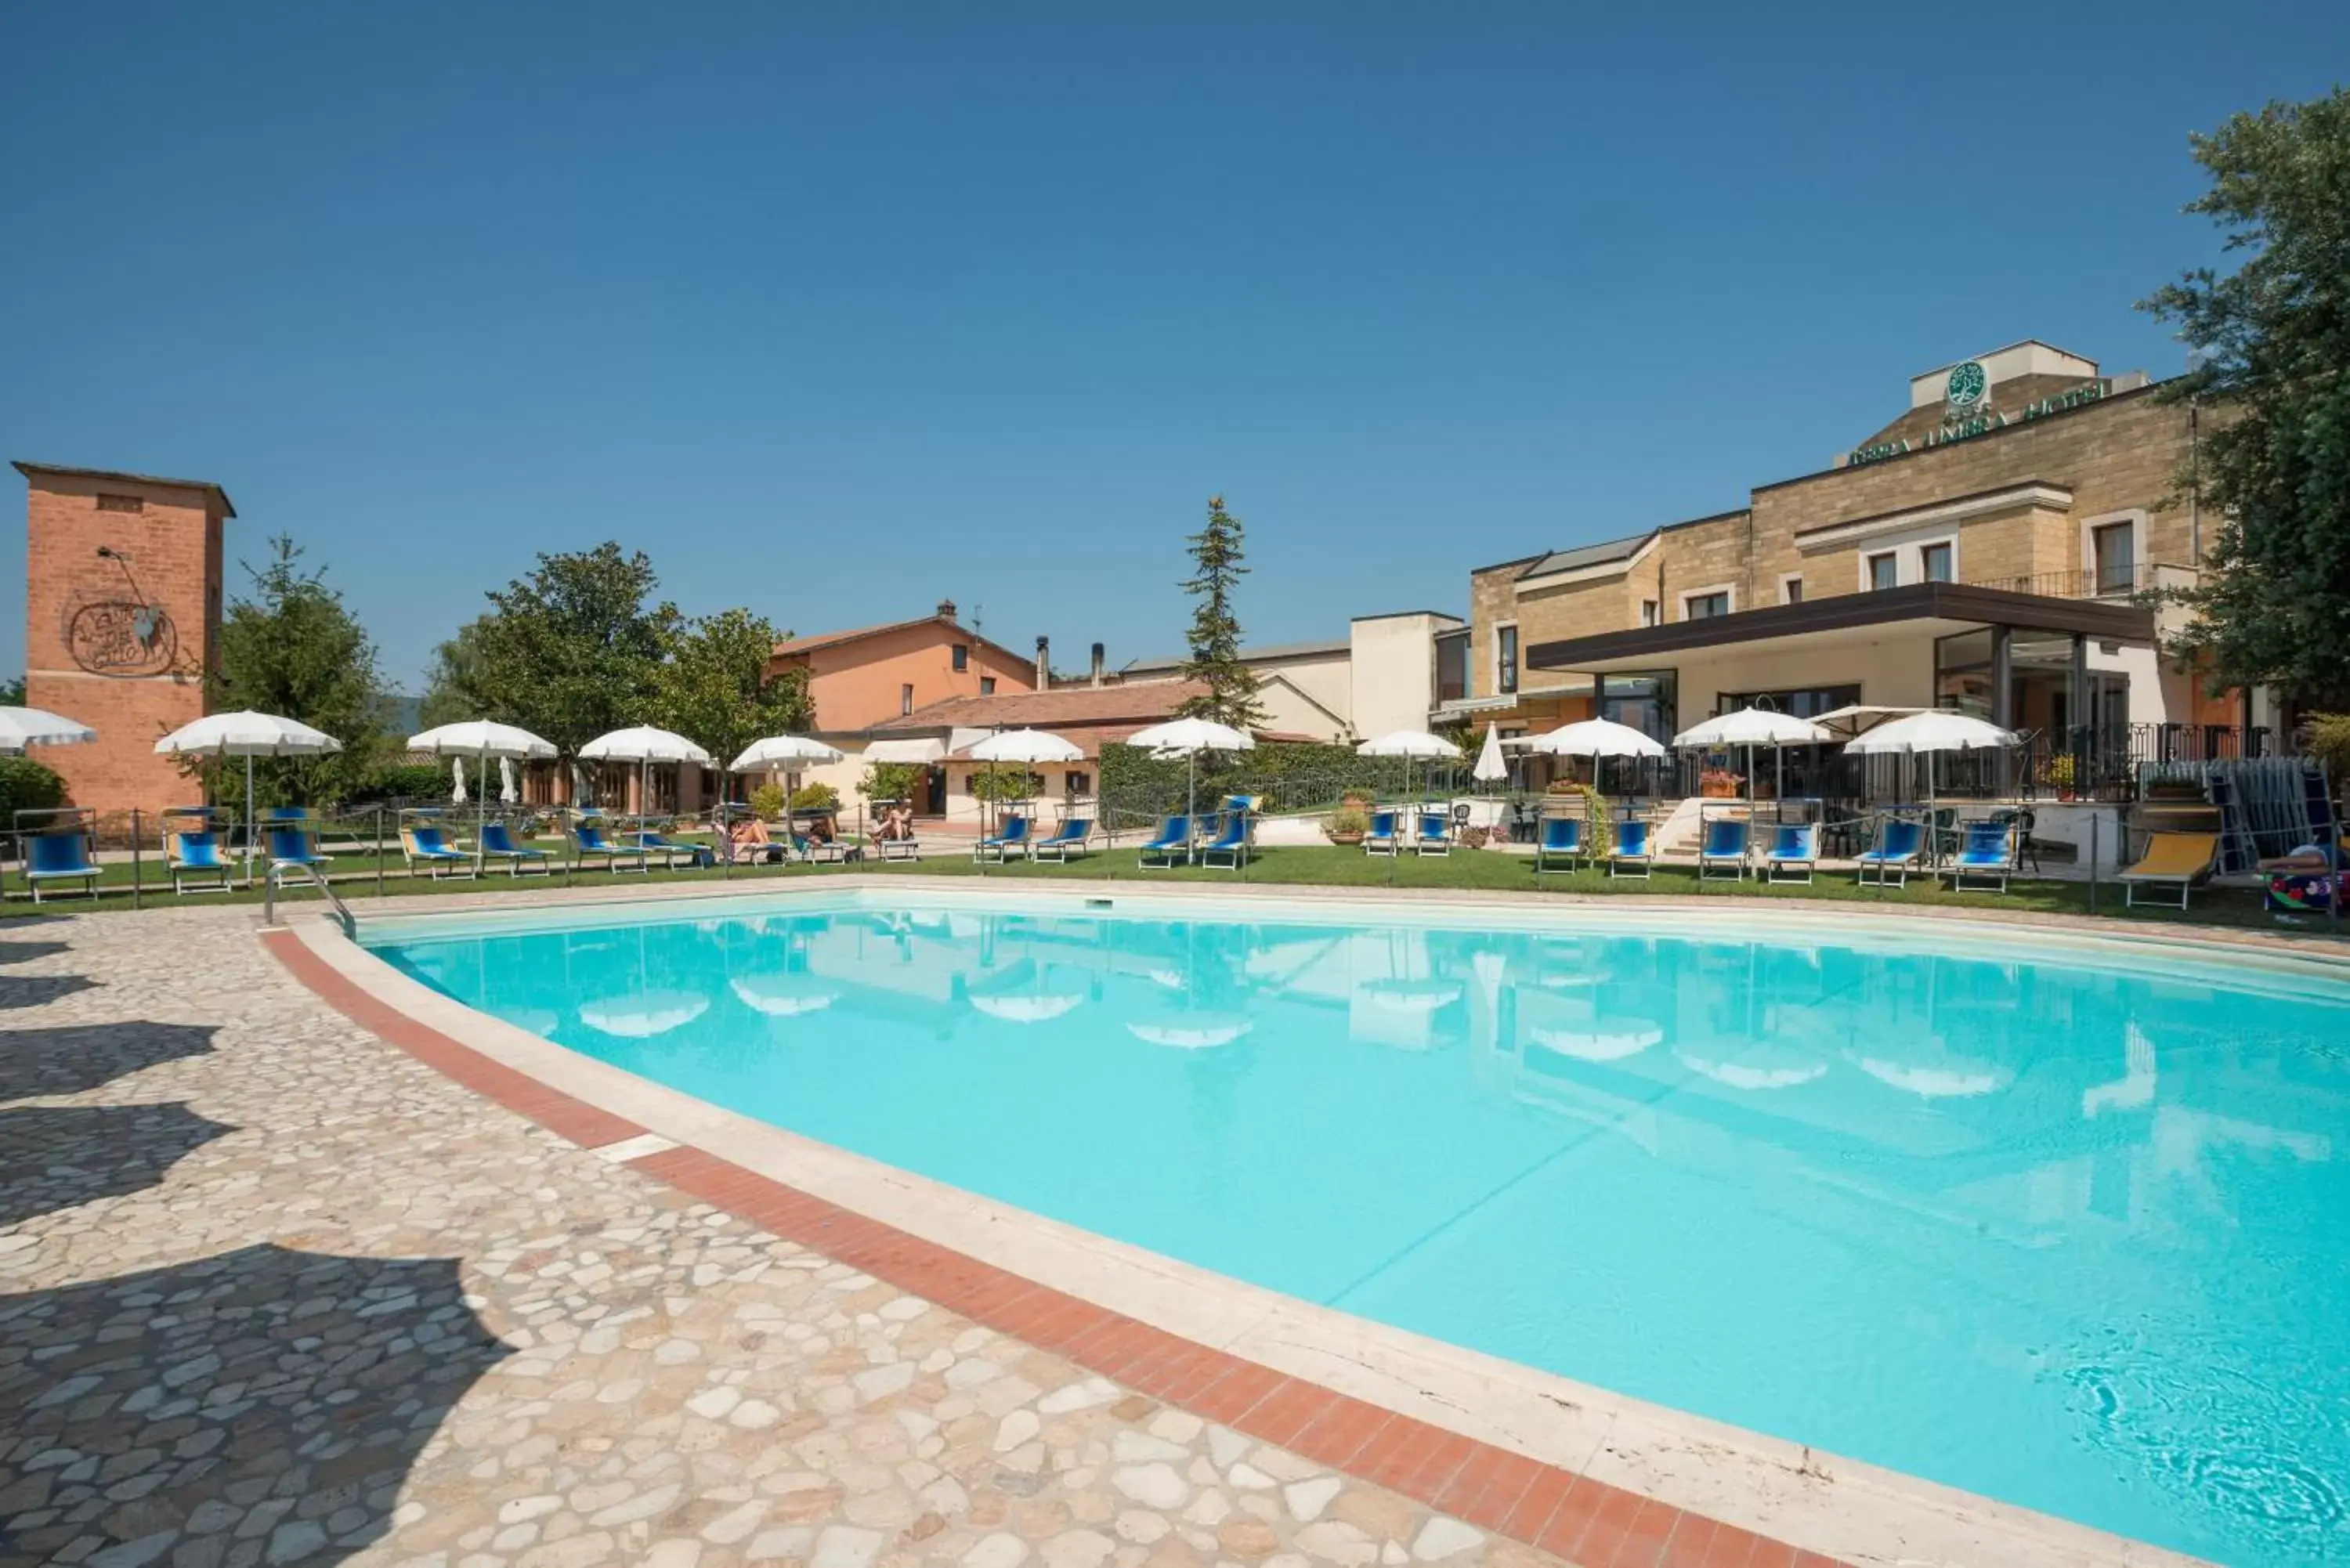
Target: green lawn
x: 1303, y: 865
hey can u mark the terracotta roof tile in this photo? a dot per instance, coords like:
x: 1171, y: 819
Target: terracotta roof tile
x: 1139, y: 704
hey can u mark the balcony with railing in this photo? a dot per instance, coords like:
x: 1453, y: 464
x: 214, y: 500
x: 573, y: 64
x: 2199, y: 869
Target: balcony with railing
x: 2110, y: 581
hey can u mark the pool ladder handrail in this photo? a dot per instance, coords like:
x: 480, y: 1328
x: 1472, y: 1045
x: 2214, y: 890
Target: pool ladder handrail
x: 279, y: 869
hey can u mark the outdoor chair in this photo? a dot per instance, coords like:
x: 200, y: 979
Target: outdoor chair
x: 196, y: 857
x: 1173, y: 840
x: 498, y: 844
x: 2177, y: 860
x: 1381, y: 837
x: 1231, y: 842
x: 1435, y: 834
x: 295, y: 846
x: 430, y: 848
x: 1793, y: 849
x: 1562, y: 839
x: 669, y: 849
x: 1899, y: 847
x: 1630, y: 851
x: 1987, y: 854
x: 591, y: 843
x: 1073, y: 837
x: 1723, y: 845
x: 59, y: 858
x: 1010, y: 838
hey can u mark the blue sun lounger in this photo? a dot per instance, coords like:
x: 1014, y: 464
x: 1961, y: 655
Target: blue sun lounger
x: 1170, y: 842
x: 196, y: 857
x: 295, y: 846
x: 1901, y: 846
x: 1793, y: 849
x: 1987, y: 854
x: 1074, y: 837
x: 1562, y: 839
x: 1724, y: 845
x: 1010, y: 838
x: 498, y: 844
x: 592, y: 843
x: 669, y: 849
x: 1383, y: 833
x: 1630, y: 848
x: 1231, y: 842
x: 59, y: 858
x: 429, y: 848
x: 1435, y: 834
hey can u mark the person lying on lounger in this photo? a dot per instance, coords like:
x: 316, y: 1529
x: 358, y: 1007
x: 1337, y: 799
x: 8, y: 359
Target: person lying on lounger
x: 751, y: 841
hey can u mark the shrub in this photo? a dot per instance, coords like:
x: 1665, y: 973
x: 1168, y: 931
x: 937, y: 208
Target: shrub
x: 893, y: 781
x: 1001, y: 786
x: 1346, y: 822
x: 2329, y: 743
x: 26, y: 786
x: 412, y: 781
x: 816, y: 797
x: 767, y: 801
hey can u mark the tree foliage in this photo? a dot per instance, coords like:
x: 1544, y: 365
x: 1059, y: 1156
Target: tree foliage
x: 573, y: 649
x: 893, y: 781
x: 714, y: 688
x: 1215, y: 637
x: 26, y: 785
x: 291, y: 647
x: 12, y: 694
x: 453, y: 692
x: 2272, y: 349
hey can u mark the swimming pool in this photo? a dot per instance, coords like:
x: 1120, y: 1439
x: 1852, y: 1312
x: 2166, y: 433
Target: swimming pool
x: 2061, y: 1222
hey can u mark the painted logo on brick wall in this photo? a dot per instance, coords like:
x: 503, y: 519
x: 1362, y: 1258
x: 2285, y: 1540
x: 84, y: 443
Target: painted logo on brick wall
x: 122, y: 638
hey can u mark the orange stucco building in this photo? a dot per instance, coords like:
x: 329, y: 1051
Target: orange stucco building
x: 858, y: 678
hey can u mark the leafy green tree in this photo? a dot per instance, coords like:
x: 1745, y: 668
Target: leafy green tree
x: 26, y: 785
x: 573, y: 649
x: 2272, y: 352
x: 290, y: 647
x: 714, y: 688
x: 893, y: 781
x: 12, y: 695
x: 1215, y: 639
x: 453, y: 685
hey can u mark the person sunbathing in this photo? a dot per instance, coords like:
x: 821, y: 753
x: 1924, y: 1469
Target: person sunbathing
x: 751, y: 835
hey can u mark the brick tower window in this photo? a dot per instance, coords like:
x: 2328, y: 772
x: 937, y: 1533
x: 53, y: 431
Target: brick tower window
x: 120, y: 504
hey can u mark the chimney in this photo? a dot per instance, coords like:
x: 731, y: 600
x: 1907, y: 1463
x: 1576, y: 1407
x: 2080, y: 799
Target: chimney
x: 1098, y: 659
x: 1044, y: 664
x: 946, y: 610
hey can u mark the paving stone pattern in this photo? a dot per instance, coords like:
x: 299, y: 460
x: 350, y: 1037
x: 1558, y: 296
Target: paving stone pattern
x: 272, y: 1292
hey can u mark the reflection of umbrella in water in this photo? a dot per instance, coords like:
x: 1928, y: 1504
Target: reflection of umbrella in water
x: 1192, y: 1032
x: 1172, y: 978
x: 1790, y: 1070
x: 1594, y: 1045
x: 1954, y: 1077
x: 1410, y: 995
x: 643, y: 1016
x: 780, y: 995
x: 1028, y: 1008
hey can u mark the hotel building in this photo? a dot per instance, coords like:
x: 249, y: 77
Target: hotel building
x: 1984, y: 551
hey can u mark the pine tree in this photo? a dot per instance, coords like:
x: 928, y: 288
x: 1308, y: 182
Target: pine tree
x: 1231, y: 695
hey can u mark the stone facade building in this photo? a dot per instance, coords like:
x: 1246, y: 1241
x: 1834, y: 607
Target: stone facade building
x: 1983, y: 551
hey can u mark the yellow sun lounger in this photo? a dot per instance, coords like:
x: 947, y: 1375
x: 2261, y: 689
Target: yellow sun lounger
x: 2179, y: 859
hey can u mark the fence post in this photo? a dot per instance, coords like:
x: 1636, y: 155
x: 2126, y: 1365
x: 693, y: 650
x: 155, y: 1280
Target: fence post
x: 135, y: 868
x: 2094, y: 856
x: 268, y: 899
x: 379, y: 849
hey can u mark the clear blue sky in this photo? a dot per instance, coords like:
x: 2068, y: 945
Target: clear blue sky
x: 834, y: 316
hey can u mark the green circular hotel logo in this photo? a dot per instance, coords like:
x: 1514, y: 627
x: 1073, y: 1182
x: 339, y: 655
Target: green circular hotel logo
x: 1967, y: 385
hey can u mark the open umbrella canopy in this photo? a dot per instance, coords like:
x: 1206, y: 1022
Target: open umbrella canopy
x: 1754, y: 727
x: 643, y: 1016
x: 782, y: 995
x: 1184, y: 737
x: 1408, y: 743
x: 247, y: 734
x: 1596, y: 738
x: 1937, y: 730
x: 480, y: 738
x: 642, y: 744
x: 1491, y: 767
x: 783, y: 750
x: 22, y: 727
x: 1024, y: 746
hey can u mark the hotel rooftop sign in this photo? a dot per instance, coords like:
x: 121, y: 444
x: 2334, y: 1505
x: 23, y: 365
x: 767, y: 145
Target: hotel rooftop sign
x: 1967, y: 412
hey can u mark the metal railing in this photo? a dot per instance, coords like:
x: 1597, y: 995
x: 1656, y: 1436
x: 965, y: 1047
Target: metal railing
x: 280, y: 870
x: 2084, y: 583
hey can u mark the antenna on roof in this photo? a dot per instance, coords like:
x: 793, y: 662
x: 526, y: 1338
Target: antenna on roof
x: 977, y: 610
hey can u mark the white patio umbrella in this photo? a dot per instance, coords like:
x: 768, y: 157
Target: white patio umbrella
x: 23, y: 727
x: 246, y: 734
x: 1187, y: 738
x: 1412, y: 745
x: 1596, y: 738
x: 1491, y: 767
x: 507, y: 792
x: 1022, y: 746
x: 480, y: 739
x: 643, y: 745
x: 457, y: 795
x: 1753, y: 727
x: 1934, y: 730
x: 774, y: 752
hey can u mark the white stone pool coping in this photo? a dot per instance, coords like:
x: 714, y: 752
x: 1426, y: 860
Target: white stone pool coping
x: 1820, y: 1503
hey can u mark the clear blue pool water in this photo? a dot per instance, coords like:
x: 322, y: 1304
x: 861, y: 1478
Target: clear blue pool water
x: 2068, y: 1227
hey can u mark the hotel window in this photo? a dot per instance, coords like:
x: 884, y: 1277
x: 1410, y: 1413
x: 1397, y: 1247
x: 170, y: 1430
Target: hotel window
x: 1934, y: 563
x: 1452, y: 666
x: 1885, y: 570
x: 2116, y: 545
x: 1791, y: 589
x: 1076, y: 783
x: 1505, y: 660
x: 1704, y: 606
x: 962, y: 657
x: 905, y: 700
x: 1647, y: 612
x: 987, y: 685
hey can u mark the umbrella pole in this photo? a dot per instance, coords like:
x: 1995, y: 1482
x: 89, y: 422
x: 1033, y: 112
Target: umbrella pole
x: 1191, y: 804
x: 248, y: 821
x: 481, y: 807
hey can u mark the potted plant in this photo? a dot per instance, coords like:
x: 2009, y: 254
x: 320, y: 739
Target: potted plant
x: 1718, y: 784
x: 2060, y: 775
x: 1347, y: 825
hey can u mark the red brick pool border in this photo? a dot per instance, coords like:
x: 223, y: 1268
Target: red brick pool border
x: 1584, y: 1522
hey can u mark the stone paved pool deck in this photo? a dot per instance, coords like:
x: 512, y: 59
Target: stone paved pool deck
x: 276, y: 1289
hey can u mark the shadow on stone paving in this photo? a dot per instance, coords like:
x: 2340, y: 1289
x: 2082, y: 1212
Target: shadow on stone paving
x: 24, y: 952
x: 34, y: 989
x: 261, y: 1406
x: 57, y: 1157
x: 75, y: 1058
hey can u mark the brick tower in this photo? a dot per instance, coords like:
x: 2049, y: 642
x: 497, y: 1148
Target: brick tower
x: 122, y: 620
